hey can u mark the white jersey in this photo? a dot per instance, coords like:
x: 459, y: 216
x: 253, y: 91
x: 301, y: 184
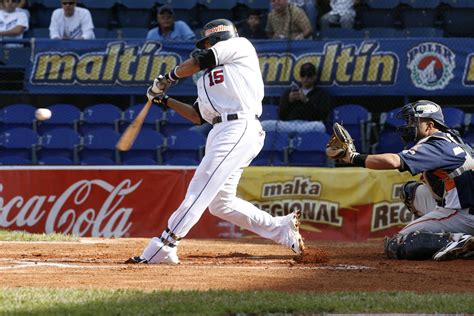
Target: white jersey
x: 235, y: 85
x: 77, y: 26
x: 10, y: 20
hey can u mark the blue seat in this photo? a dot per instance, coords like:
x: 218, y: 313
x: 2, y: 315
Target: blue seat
x: 187, y: 143
x: 62, y: 142
x: 422, y: 4
x: 40, y: 32
x: 135, y: 13
x: 389, y: 120
x: 308, y: 149
x: 148, y: 144
x: 101, y: 11
x: 382, y: 4
x: 173, y: 122
x: 383, y: 32
x: 275, y: 149
x: 20, y: 141
x: 370, y: 17
x: 331, y: 33
x: 469, y: 138
x: 389, y: 142
x: 355, y: 118
x: 102, y: 32
x: 216, y: 8
x: 183, y: 10
x: 256, y: 4
x: 43, y: 11
x: 459, y: 3
x: 17, y: 115
x: 152, y: 119
x: 458, y: 22
x: 269, y: 112
x: 63, y: 116
x: 15, y: 160
x: 97, y: 161
x: 100, y: 142
x: 132, y: 32
x: 454, y: 117
x: 423, y: 32
x: 419, y: 17
x: 181, y: 161
x: 103, y: 115
x: 55, y: 160
x: 139, y: 161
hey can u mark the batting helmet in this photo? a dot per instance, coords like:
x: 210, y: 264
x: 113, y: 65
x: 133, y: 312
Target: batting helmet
x: 216, y: 31
x: 412, y: 112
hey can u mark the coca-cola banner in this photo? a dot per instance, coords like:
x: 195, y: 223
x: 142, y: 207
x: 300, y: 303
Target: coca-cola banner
x: 337, y: 204
x: 99, y: 202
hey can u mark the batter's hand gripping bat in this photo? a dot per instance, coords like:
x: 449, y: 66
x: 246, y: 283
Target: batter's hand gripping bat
x: 128, y: 137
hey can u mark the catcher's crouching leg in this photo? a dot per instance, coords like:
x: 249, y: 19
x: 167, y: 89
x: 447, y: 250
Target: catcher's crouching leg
x: 415, y: 246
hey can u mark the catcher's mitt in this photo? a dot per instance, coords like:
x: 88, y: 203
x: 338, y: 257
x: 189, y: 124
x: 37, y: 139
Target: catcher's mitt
x: 339, y: 143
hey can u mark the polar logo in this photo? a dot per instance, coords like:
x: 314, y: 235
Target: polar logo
x: 431, y: 66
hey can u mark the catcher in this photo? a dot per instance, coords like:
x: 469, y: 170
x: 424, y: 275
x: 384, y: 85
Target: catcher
x: 443, y: 203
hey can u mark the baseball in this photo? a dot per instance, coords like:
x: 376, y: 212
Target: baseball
x: 42, y: 114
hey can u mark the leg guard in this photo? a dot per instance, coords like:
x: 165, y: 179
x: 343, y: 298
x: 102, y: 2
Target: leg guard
x: 415, y: 246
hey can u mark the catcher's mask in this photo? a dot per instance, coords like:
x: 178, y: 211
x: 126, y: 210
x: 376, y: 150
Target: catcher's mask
x: 216, y: 31
x: 411, y: 114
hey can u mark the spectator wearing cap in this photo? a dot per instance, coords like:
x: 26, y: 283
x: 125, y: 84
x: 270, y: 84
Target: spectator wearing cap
x: 13, y: 22
x: 342, y: 14
x: 71, y: 22
x: 305, y: 105
x: 168, y: 29
x: 252, y: 28
x: 287, y: 21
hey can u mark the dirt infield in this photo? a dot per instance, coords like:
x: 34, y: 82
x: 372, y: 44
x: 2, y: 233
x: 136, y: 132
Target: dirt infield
x: 226, y: 264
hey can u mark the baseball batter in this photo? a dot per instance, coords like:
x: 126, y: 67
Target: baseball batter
x: 444, y: 202
x: 230, y: 93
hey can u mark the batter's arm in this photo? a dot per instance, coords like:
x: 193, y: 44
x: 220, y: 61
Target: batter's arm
x: 383, y: 161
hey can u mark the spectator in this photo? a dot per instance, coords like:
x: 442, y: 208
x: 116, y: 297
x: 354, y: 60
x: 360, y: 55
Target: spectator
x: 342, y: 14
x: 287, y: 21
x: 252, y: 28
x: 168, y: 28
x: 71, y: 22
x: 13, y: 22
x: 304, y: 107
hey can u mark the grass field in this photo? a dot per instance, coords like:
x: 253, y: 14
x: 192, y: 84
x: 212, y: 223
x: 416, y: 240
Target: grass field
x: 71, y: 300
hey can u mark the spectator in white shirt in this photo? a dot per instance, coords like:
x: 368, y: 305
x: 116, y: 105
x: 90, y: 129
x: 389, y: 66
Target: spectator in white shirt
x: 71, y: 22
x: 13, y: 22
x: 342, y: 14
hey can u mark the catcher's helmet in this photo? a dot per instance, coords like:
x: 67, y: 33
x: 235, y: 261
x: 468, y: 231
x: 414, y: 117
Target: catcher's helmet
x: 412, y: 112
x: 216, y: 31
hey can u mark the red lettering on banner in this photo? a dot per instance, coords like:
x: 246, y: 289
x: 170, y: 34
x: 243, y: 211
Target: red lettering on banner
x: 110, y: 220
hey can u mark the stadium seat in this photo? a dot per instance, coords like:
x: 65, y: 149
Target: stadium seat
x: 269, y: 112
x: 148, y: 144
x: 41, y: 12
x: 173, y: 122
x: 62, y: 142
x: 308, y: 149
x: 458, y: 22
x: 421, y: 4
x: 469, y: 138
x: 181, y: 161
x: 383, y: 32
x: 336, y: 32
x: 375, y: 17
x: 63, y: 115
x: 215, y: 9
x: 135, y: 13
x: 102, y: 32
x: 188, y: 144
x: 389, y: 120
x: 55, y: 160
x: 152, y: 119
x: 256, y: 4
x: 132, y: 32
x: 354, y: 117
x: 97, y: 161
x: 20, y: 141
x: 463, y: 4
x: 100, y: 142
x: 454, y: 117
x: 184, y: 10
x: 382, y: 4
x: 17, y: 115
x: 40, y: 32
x: 423, y: 32
x: 139, y: 161
x: 15, y: 160
x: 389, y: 142
x: 103, y: 115
x: 419, y: 17
x: 275, y: 149
x: 101, y: 12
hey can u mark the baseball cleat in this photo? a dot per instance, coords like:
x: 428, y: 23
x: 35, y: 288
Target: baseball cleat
x: 456, y: 249
x: 297, y: 245
x: 136, y: 260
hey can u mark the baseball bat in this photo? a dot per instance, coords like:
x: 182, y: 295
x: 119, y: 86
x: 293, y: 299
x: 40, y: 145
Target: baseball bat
x: 128, y: 137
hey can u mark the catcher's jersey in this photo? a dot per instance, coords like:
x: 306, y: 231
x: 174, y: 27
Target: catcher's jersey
x: 235, y: 85
x: 436, y: 156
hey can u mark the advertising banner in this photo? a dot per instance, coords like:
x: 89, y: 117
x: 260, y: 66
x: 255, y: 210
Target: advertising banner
x: 338, y: 204
x: 344, y: 67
